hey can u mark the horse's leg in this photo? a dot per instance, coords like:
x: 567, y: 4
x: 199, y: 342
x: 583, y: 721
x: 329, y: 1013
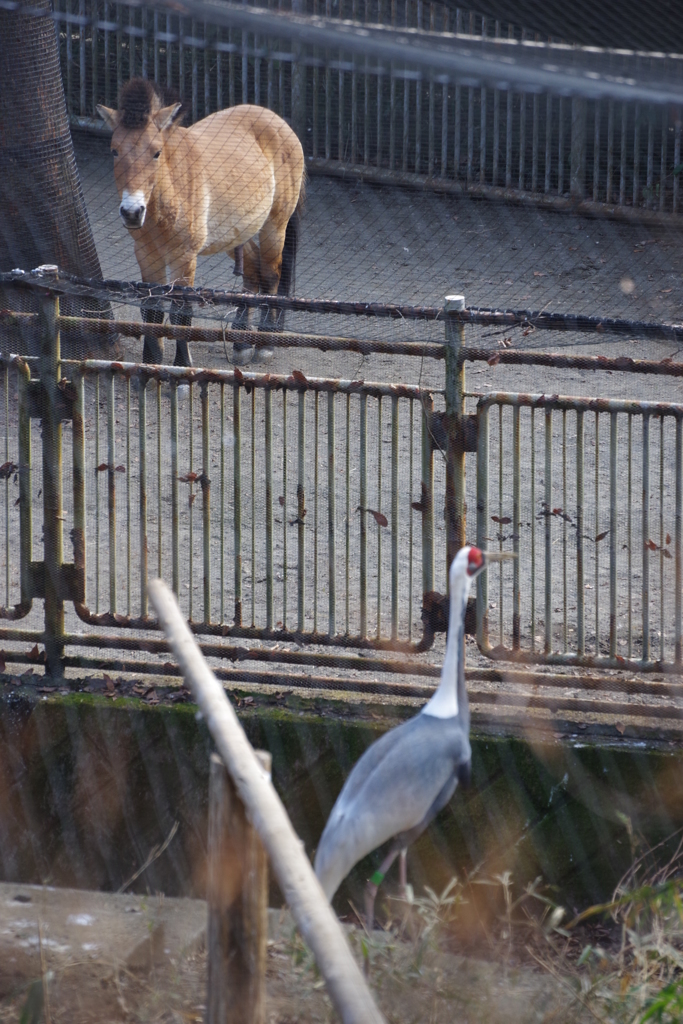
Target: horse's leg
x: 152, y: 268
x: 243, y: 351
x: 181, y: 315
x: 271, y: 245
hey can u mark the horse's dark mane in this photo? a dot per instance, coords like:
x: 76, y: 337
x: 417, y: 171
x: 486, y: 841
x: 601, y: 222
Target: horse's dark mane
x: 140, y: 97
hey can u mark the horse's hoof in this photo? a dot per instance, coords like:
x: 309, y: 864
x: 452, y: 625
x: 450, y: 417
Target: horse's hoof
x: 264, y: 354
x: 242, y: 353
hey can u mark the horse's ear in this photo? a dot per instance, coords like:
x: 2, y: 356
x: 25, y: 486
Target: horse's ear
x: 109, y: 116
x: 165, y: 117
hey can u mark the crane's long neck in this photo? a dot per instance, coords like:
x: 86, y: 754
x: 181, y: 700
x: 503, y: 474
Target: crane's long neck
x: 450, y: 698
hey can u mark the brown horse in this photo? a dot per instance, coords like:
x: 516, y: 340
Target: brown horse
x: 233, y: 183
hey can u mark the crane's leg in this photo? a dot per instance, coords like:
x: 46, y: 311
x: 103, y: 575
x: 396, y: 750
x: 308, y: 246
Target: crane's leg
x: 373, y: 885
x: 403, y: 871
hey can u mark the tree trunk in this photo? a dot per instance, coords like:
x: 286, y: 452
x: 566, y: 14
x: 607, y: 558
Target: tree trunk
x: 43, y: 218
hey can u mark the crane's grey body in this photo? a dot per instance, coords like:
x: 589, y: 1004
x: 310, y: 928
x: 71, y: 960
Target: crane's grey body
x: 404, y: 779
x: 421, y: 762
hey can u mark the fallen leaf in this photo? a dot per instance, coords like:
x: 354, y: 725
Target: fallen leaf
x: 620, y: 727
x: 121, y: 469
x: 281, y: 500
x: 299, y: 377
x: 103, y: 467
x: 665, y: 291
x: 665, y: 553
x: 189, y: 478
x: 379, y: 517
x: 503, y: 520
x: 650, y: 544
x: 494, y: 359
x: 239, y: 376
x: 539, y: 273
x: 45, y: 689
x: 192, y: 498
x: 601, y: 536
x: 668, y: 538
x: 35, y: 654
x: 109, y: 683
x: 7, y: 469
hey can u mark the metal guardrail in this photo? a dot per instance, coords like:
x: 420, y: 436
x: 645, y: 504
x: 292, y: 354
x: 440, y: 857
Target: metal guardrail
x: 301, y: 509
x: 392, y: 122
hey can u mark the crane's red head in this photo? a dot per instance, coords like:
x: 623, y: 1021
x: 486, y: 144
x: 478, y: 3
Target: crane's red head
x: 475, y: 561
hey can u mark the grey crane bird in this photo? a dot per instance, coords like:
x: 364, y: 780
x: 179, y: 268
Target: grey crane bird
x: 404, y: 779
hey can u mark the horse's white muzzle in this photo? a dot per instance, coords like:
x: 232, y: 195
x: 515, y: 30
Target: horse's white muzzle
x: 133, y: 209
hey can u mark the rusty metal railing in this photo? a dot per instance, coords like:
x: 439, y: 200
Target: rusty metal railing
x: 588, y: 493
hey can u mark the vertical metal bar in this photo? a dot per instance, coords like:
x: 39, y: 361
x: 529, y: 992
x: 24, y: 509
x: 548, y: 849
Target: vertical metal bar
x: 379, y: 509
x: 222, y: 537
x: 482, y: 521
x: 245, y: 67
x: 458, y: 131
x: 596, y: 153
x: 548, y: 141
x: 191, y: 498
x: 257, y: 72
x: 237, y: 501
x: 253, y: 507
x: 522, y: 139
x: 678, y: 538
x: 456, y: 530
x: 181, y: 57
x: 69, y: 57
x: 111, y: 491
x: 331, y: 518
x: 340, y: 117
x: 347, y: 524
x: 53, y: 533
x: 677, y: 158
x: 79, y: 513
x: 207, y: 71
x: 516, y: 505
x: 206, y: 499
x: 501, y: 579
x: 5, y: 373
x: 363, y: 470
x: 82, y: 97
x: 629, y: 535
x: 175, y: 515
x: 392, y: 118
x: 596, y: 582
x: 560, y: 147
x: 470, y: 133
x: 97, y: 493
x: 283, y: 502
x: 354, y: 117
x: 128, y: 497
x: 406, y: 122
x: 394, y: 516
x: 548, y: 484
x: 268, y: 402
x: 532, y: 498
x: 444, y: 129
x: 427, y: 496
x: 613, y: 536
x: 410, y: 524
x: 144, y: 43
x: 482, y: 138
x: 366, y: 114
x: 316, y: 490
x: 169, y: 53
x: 564, y: 532
x: 650, y: 156
x: 301, y: 512
x: 610, y: 151
x: 119, y: 51
x: 159, y: 479
x: 663, y: 156
x: 107, y: 70
x: 534, y: 145
x: 496, y: 136
x: 155, y: 28
x: 636, y: 155
x: 645, y: 544
x: 94, y: 61
x: 622, y: 156
x: 508, y: 141
x: 661, y: 538
x: 580, y: 593
x: 142, y: 453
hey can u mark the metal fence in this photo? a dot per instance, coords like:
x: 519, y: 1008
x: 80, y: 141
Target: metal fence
x: 391, y: 121
x: 301, y: 510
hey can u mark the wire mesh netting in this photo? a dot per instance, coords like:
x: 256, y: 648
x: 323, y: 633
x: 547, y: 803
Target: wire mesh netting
x: 293, y: 483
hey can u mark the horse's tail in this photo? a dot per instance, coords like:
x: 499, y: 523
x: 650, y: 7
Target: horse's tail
x: 287, y: 283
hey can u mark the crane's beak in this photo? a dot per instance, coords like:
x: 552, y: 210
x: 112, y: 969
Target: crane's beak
x: 499, y: 556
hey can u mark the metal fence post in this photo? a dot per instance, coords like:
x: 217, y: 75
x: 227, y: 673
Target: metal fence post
x: 577, y: 174
x: 298, y: 94
x: 455, y: 510
x: 237, y: 903
x: 53, y: 534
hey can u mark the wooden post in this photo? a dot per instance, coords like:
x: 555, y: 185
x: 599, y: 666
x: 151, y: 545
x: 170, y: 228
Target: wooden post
x: 301, y: 889
x: 238, y: 905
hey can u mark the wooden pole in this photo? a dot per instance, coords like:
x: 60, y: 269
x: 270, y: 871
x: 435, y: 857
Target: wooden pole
x: 300, y: 887
x: 238, y: 905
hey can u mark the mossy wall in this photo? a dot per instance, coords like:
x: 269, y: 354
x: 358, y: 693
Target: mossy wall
x: 88, y: 786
